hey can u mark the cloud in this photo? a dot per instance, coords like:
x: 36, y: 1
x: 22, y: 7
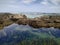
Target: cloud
x: 45, y: 2
x: 56, y: 2
x: 29, y: 6
x: 27, y: 1
x: 50, y: 2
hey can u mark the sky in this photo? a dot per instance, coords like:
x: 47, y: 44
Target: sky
x: 17, y: 6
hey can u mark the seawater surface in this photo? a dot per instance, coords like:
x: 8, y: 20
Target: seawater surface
x: 15, y: 34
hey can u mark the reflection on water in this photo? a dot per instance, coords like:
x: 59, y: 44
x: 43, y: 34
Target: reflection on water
x: 25, y: 35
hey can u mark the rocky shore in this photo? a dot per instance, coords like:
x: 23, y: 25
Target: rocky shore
x: 45, y: 21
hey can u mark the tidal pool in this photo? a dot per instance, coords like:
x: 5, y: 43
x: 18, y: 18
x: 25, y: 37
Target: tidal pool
x: 15, y: 34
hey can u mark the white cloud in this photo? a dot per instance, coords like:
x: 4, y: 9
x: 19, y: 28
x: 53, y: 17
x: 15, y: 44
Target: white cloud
x: 51, y: 2
x: 56, y: 2
x: 19, y: 6
x: 45, y: 2
x: 28, y: 1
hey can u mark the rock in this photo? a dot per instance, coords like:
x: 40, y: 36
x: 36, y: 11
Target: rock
x: 38, y: 22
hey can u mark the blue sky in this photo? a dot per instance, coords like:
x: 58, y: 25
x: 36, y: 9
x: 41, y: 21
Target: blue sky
x: 17, y: 6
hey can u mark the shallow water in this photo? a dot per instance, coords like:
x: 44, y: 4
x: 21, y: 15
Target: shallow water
x: 14, y: 34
